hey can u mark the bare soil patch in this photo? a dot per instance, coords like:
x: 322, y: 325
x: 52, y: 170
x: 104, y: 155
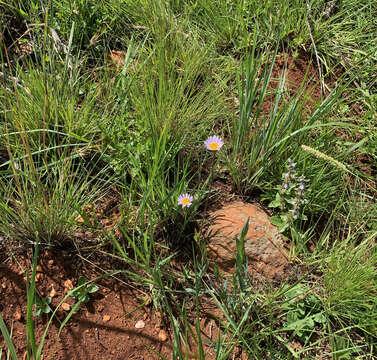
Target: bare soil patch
x: 103, y: 328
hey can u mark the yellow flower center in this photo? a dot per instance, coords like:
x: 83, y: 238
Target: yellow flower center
x: 185, y: 201
x: 214, y: 146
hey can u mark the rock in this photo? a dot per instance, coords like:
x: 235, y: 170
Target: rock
x: 39, y: 277
x: 17, y: 315
x: 52, y: 292
x: 68, y: 285
x: 162, y: 335
x: 106, y: 318
x: 264, y: 246
x: 66, y: 306
x: 140, y: 324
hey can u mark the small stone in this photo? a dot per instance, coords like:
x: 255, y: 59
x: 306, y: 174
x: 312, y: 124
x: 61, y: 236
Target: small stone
x: 66, y: 306
x: 106, y: 318
x: 38, y: 277
x: 17, y: 315
x: 38, y: 268
x: 140, y: 324
x: 68, y: 284
x: 50, y: 262
x: 52, y: 292
x: 162, y: 335
x: 80, y: 219
x: 4, y: 285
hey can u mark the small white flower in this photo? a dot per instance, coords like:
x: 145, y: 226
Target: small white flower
x: 185, y: 200
x: 214, y: 143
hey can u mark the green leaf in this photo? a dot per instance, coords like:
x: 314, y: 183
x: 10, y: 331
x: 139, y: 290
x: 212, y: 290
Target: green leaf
x: 8, y: 339
x: 320, y: 318
x: 93, y: 288
x: 276, y: 220
x: 275, y: 203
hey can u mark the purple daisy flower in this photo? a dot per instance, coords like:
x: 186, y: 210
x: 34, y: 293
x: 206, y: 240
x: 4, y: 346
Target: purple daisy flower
x: 214, y: 143
x: 185, y: 200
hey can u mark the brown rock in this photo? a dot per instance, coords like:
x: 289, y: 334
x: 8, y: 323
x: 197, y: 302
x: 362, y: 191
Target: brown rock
x: 140, y: 324
x: 68, y: 285
x: 17, y: 315
x: 66, y: 306
x: 162, y: 335
x: 38, y: 277
x: 264, y: 246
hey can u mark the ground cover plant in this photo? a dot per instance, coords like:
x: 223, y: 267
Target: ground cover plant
x: 124, y: 123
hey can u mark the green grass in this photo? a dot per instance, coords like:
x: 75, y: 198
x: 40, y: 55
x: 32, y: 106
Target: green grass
x: 74, y: 128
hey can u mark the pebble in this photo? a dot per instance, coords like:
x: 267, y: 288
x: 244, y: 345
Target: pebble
x: 68, y: 284
x: 66, y: 306
x: 140, y: 324
x: 162, y: 335
x: 106, y: 318
x: 38, y: 277
x: 17, y: 316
